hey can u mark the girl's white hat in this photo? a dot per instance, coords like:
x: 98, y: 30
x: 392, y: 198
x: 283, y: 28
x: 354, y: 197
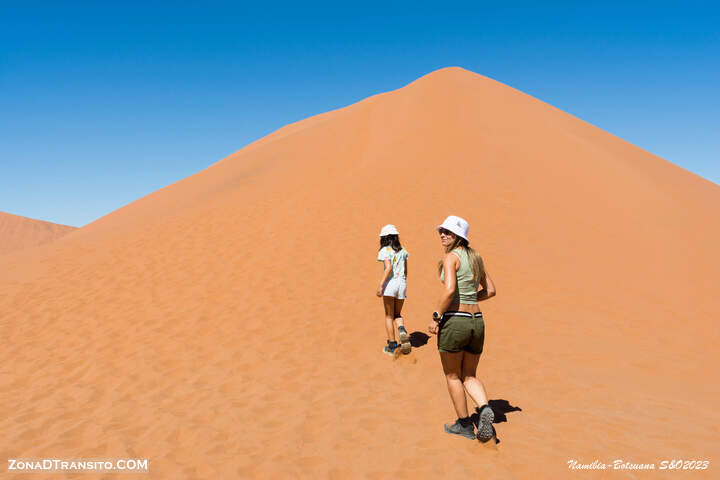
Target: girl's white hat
x: 456, y: 225
x: 389, y: 230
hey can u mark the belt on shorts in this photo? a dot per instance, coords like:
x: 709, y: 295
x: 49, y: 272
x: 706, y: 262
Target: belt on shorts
x: 462, y: 314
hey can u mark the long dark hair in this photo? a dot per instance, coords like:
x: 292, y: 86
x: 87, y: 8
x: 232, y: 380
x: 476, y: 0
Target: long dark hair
x: 390, y: 241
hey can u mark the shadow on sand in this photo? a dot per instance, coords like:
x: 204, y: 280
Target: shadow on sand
x: 499, y: 408
x: 418, y: 339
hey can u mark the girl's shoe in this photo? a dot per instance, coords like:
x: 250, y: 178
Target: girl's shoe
x: 390, y: 348
x: 463, y: 427
x: 405, y: 346
x: 485, y: 430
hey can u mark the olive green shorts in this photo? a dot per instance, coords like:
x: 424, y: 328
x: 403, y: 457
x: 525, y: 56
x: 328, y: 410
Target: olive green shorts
x: 461, y: 332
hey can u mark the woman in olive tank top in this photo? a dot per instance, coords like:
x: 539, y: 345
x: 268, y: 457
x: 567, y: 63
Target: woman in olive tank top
x: 460, y: 328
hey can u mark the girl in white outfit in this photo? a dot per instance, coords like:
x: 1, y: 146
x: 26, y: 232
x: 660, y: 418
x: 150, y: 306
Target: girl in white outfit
x: 393, y: 286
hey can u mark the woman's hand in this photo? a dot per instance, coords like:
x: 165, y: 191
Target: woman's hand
x: 433, y: 327
x: 379, y: 291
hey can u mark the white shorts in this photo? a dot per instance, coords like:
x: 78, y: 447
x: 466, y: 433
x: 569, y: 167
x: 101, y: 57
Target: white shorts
x: 395, y: 287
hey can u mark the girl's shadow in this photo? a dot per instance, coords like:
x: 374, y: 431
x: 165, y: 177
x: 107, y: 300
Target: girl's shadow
x: 418, y: 339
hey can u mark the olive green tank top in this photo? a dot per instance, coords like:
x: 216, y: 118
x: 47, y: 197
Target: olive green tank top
x: 466, y: 290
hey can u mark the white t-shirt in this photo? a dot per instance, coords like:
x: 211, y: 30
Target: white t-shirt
x: 396, y: 258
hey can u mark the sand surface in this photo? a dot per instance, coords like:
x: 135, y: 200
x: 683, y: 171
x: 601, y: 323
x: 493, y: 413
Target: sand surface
x: 18, y: 232
x: 226, y: 326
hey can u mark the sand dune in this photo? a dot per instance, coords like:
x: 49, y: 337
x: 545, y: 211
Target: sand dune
x: 226, y: 325
x: 21, y: 232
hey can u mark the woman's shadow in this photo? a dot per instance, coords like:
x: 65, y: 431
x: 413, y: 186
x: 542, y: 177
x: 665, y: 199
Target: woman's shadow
x: 500, y: 408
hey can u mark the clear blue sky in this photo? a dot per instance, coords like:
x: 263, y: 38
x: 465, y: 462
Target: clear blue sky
x: 101, y: 104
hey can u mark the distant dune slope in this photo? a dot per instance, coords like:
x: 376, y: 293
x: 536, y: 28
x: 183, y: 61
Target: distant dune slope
x: 226, y: 326
x: 21, y: 232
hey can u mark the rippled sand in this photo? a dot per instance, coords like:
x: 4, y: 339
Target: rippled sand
x: 226, y: 326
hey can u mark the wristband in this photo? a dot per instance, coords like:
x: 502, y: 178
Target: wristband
x: 436, y: 316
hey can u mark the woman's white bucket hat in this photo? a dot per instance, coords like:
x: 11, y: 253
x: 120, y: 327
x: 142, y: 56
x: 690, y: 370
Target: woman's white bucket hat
x: 456, y: 225
x: 389, y: 230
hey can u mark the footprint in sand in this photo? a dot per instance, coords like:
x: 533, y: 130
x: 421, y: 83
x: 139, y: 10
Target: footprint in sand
x: 404, y: 358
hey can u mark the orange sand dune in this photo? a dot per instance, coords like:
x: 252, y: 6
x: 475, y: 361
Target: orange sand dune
x: 226, y: 325
x: 21, y: 232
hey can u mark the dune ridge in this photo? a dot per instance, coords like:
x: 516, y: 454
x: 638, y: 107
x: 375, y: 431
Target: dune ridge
x: 17, y: 232
x: 226, y: 326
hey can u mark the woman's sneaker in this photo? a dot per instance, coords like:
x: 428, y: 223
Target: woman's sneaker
x: 405, y: 346
x: 463, y: 427
x: 486, y: 417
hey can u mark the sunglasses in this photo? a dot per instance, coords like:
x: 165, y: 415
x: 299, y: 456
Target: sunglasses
x: 442, y: 231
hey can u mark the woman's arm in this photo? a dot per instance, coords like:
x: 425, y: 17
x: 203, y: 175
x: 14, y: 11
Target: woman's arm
x: 488, y: 289
x: 386, y: 275
x: 451, y: 263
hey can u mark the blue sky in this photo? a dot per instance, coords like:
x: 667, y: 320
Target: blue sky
x: 102, y: 104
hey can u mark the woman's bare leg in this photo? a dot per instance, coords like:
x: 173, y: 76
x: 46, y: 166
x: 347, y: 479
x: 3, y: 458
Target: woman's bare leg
x: 389, y: 304
x: 473, y: 386
x: 452, y: 367
x: 476, y: 390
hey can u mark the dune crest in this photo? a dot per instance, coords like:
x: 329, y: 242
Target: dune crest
x: 226, y: 325
x: 18, y: 232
